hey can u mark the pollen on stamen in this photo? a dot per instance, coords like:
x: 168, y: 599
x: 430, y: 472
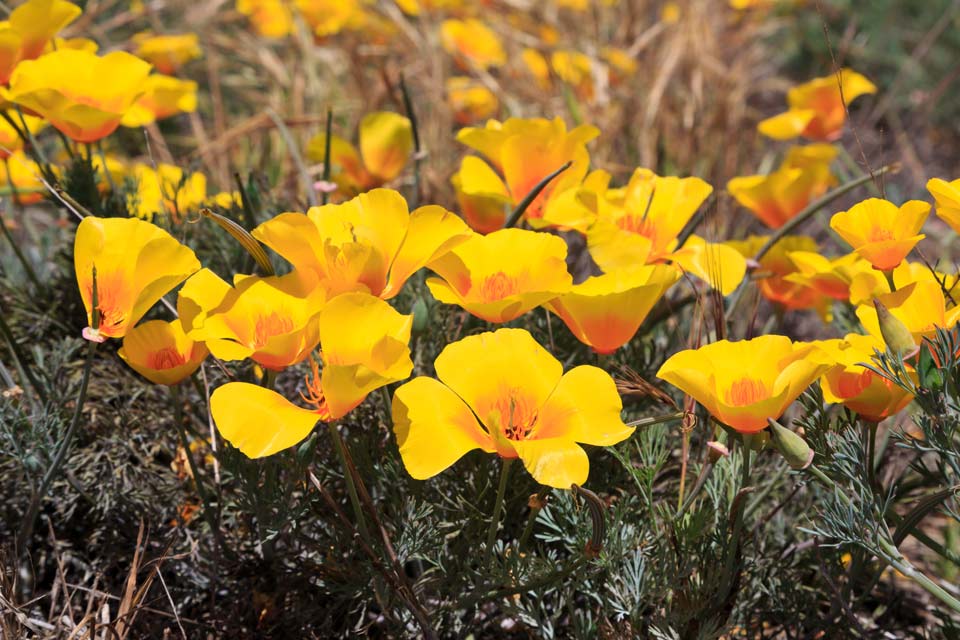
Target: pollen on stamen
x: 314, y: 392
x: 746, y: 391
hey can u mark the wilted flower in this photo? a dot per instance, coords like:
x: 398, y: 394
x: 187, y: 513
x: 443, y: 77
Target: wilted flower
x: 472, y: 42
x: 364, y: 347
x: 855, y: 386
x: 166, y: 52
x: 779, y: 196
x: 370, y: 243
x: 25, y: 34
x: 880, y: 231
x: 386, y: 143
x: 526, y: 151
x: 605, y: 311
x: 161, y: 352
x: 743, y: 384
x: 501, y: 276
x: 68, y: 88
x: 817, y: 110
x: 503, y: 393
x: 136, y: 264
x: 163, y: 96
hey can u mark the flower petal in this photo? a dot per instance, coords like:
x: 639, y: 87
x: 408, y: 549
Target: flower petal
x: 259, y: 421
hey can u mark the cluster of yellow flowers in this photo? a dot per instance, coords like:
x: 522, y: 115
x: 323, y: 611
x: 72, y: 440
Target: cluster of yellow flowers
x: 498, y: 391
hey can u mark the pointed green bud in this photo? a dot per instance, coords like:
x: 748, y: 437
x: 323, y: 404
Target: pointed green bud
x: 421, y: 316
x: 792, y: 447
x: 895, y: 334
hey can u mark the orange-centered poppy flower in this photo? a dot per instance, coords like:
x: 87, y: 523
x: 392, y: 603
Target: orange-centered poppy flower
x: 526, y: 151
x: 829, y: 277
x: 743, y: 384
x: 947, y: 196
x: 166, y: 52
x: 503, y: 393
x: 856, y: 387
x: 370, y: 243
x: 136, y: 264
x: 29, y: 29
x: 386, y: 143
x: 501, y: 276
x: 364, y: 347
x: 880, y: 231
x: 163, y: 96
x: 776, y: 270
x: 605, y: 311
x: 472, y: 42
x: 817, y: 109
x: 67, y: 88
x: 161, y: 352
x: 470, y: 100
x: 920, y: 306
x: 778, y: 197
x: 271, y: 320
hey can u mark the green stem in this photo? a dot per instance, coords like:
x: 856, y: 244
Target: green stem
x: 534, y: 512
x: 59, y: 457
x: 890, y: 282
x: 27, y: 267
x: 870, y: 435
x: 341, y: 448
x: 497, y: 508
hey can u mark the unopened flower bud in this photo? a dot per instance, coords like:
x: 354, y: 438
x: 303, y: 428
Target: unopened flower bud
x: 421, y: 316
x: 895, y: 334
x: 792, y: 447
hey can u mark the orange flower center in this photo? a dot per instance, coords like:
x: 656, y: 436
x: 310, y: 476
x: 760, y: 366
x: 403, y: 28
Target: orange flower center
x: 517, y: 416
x: 746, y: 391
x: 109, y: 292
x: 639, y: 225
x: 166, y: 358
x: 850, y: 385
x: 269, y: 326
x: 880, y: 234
x: 497, y: 287
x: 314, y: 392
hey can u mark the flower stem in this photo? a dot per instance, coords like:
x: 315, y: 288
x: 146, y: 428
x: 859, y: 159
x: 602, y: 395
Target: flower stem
x: 497, y: 508
x: 538, y: 504
x: 26, y: 529
x: 341, y: 448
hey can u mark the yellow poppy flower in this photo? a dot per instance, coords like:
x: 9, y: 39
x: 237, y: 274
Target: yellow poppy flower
x: 29, y: 29
x: 163, y: 96
x: 622, y: 65
x: 859, y: 389
x: 370, y: 243
x: 67, y: 88
x: 779, y: 196
x: 743, y: 384
x: 920, y: 306
x: 829, y: 277
x: 526, y: 151
x: 501, y: 276
x: 167, y: 53
x: 84, y: 44
x: 270, y: 18
x: 329, y: 17
x: 364, y: 347
x: 136, y: 263
x: 537, y: 66
x: 161, y: 352
x: 576, y: 69
x: 503, y: 393
x: 605, y: 311
x: 271, y: 320
x: 470, y: 100
x: 880, y: 231
x: 386, y: 143
x: 776, y: 268
x: 10, y: 140
x: 867, y: 284
x: 166, y: 191
x: 481, y: 194
x: 472, y: 42
x: 947, y: 196
x: 816, y: 108
x: 22, y: 175
x: 577, y: 208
